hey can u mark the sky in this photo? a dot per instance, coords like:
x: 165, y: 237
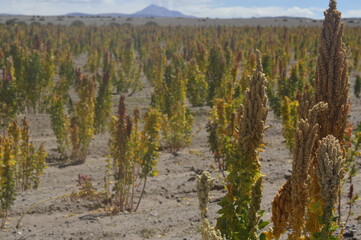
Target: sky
x: 198, y: 8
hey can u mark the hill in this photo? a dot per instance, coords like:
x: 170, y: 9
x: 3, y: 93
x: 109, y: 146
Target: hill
x: 150, y: 11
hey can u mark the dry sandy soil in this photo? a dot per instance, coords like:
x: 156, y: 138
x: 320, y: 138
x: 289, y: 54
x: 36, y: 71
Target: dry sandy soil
x: 169, y: 209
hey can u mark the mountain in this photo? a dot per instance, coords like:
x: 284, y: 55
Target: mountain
x: 150, y: 11
x: 78, y: 14
x: 157, y: 11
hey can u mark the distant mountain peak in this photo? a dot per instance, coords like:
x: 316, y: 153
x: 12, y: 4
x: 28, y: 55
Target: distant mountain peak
x: 154, y: 10
x: 154, y: 6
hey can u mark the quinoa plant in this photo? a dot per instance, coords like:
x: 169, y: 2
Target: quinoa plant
x: 133, y: 155
x: 305, y: 204
x: 7, y: 178
x: 331, y: 74
x: 289, y: 121
x: 330, y: 172
x: 240, y: 209
x: 149, y: 144
x: 221, y: 130
x: 29, y: 162
x: 129, y: 70
x: 82, y: 122
x: 9, y: 97
x: 197, y: 86
x: 21, y: 165
x: 169, y: 97
x: 121, y: 162
x: 204, y: 185
x: 60, y: 123
x: 103, y: 104
x: 215, y: 69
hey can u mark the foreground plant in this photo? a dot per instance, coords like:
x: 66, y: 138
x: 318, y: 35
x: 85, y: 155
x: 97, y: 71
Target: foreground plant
x: 304, y: 205
x: 204, y: 185
x: 331, y: 74
x: 240, y: 212
x: 330, y: 172
x: 289, y: 205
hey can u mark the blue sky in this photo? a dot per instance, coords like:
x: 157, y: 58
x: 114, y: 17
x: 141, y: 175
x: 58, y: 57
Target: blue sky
x: 199, y: 8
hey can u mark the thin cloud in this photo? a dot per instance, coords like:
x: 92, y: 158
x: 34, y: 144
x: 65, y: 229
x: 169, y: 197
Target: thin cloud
x: 70, y: 1
x: 352, y: 13
x: 244, y: 12
x: 214, y: 9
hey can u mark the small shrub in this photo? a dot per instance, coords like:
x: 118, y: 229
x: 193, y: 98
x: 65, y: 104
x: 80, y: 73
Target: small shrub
x: 151, y: 23
x: 77, y: 23
x: 11, y: 22
x: 87, y: 191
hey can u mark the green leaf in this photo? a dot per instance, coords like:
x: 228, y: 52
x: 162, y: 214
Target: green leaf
x: 261, y: 213
x: 262, y: 224
x: 334, y: 228
x: 262, y: 236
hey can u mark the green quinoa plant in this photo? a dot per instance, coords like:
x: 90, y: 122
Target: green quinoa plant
x: 240, y: 209
x: 103, y: 104
x: 9, y: 97
x: 169, y: 97
x: 129, y: 70
x: 289, y: 121
x: 197, y: 86
x: 133, y: 155
x: 7, y: 178
x: 60, y: 122
x: 149, y: 144
x: 82, y: 122
x: 29, y: 162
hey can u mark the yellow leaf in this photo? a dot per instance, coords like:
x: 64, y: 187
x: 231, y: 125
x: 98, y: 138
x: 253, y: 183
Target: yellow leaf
x: 260, y: 149
x: 269, y: 235
x: 154, y: 173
